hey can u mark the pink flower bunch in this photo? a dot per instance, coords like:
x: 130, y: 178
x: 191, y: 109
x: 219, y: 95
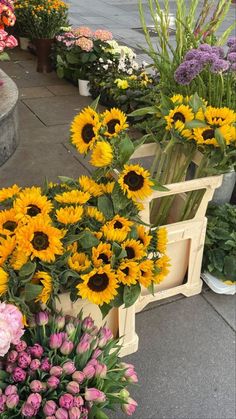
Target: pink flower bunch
x: 103, y: 35
x: 84, y: 43
x: 83, y: 31
x: 64, y: 370
x: 68, y: 39
x: 7, y: 41
x: 11, y: 326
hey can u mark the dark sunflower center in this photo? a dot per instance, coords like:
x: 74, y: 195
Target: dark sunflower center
x: 118, y: 224
x: 142, y: 272
x: 134, y: 181
x: 126, y: 271
x: 98, y: 282
x: 33, y: 210
x: 178, y: 116
x: 40, y: 241
x: 87, y: 133
x: 208, y: 134
x: 10, y: 225
x: 103, y: 257
x: 130, y: 252
x: 111, y: 125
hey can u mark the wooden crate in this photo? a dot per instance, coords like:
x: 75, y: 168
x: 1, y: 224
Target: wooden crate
x: 121, y: 320
x: 185, y: 238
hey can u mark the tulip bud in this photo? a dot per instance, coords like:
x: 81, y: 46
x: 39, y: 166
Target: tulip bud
x: 50, y: 408
x: 69, y: 367
x: 78, y: 376
x: 67, y: 347
x: 129, y: 407
x: 100, y: 371
x: 87, y: 324
x: 61, y: 414
x: 94, y: 395
x: 78, y: 401
x: 42, y: 318
x: 55, y: 340
x: 74, y: 413
x: 96, y: 353
x: 124, y: 394
x: 56, y: 371
x: 89, y: 371
x: 60, y: 322
x: 12, y: 401
x: 53, y: 382
x: 36, y: 386
x: 66, y: 401
x: 35, y: 364
x: 12, y: 356
x: 105, y: 336
x: 70, y: 328
x: 9, y: 390
x: 73, y: 387
x: 83, y: 347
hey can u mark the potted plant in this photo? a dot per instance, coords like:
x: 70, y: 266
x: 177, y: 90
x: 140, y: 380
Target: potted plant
x: 219, y: 259
x: 42, y: 20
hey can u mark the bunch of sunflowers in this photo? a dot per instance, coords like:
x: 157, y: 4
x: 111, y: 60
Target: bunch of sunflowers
x: 82, y: 236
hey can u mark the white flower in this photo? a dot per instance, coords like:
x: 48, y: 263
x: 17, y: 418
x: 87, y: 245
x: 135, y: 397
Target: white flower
x: 101, y: 60
x: 129, y: 71
x: 105, y: 66
x: 135, y: 65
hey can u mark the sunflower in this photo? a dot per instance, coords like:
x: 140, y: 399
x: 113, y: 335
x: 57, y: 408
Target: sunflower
x: 128, y: 272
x: 18, y: 259
x: 8, y: 222
x: 7, y: 193
x: 217, y: 117
x: 134, y: 249
x: 233, y: 134
x: 89, y: 185
x: 31, y: 203
x: 39, y: 239
x: 107, y: 188
x: 146, y: 275
x: 69, y: 215
x: 135, y: 181
x: 115, y: 120
x: 44, y: 279
x: 79, y: 262
x: 102, y: 154
x: 117, y: 229
x: 143, y: 236
x: 99, y: 285
x: 177, y: 99
x: 186, y: 133
x: 4, y: 278
x: 93, y: 212
x: 101, y: 254
x: 85, y: 128
x: 207, y: 135
x: 162, y: 266
x: 7, y: 247
x: 161, y: 239
x: 73, y: 197
x: 182, y: 113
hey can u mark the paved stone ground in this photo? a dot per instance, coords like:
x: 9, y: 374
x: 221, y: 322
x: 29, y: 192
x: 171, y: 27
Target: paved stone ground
x: 186, y: 357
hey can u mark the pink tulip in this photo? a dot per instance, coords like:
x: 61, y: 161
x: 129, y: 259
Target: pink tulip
x: 69, y: 367
x: 83, y: 347
x: 42, y: 318
x: 50, y: 408
x: 70, y: 328
x: 55, y: 340
x: 2, y: 402
x: 78, y: 401
x: 74, y: 413
x: 96, y: 353
x: 67, y: 347
x: 45, y: 365
x: 89, y: 371
x: 105, y: 336
x: 53, y: 382
x: 56, y: 371
x: 36, y: 386
x: 9, y: 390
x: 28, y: 410
x: 12, y: 356
x: 94, y: 395
x: 78, y: 376
x: 73, y: 387
x: 19, y: 375
x: 35, y: 399
x: 12, y: 401
x: 61, y: 414
x: 24, y: 360
x: 36, y: 351
x: 22, y: 345
x: 35, y: 364
x: 60, y: 322
x: 87, y: 324
x: 66, y: 401
x: 100, y: 371
x: 129, y: 407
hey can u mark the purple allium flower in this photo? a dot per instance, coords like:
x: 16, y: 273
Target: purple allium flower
x: 232, y: 49
x: 205, y: 47
x: 207, y: 57
x: 187, y: 71
x: 219, y: 66
x: 232, y: 57
x: 231, y: 41
x: 219, y: 51
x: 233, y: 67
x: 192, y: 54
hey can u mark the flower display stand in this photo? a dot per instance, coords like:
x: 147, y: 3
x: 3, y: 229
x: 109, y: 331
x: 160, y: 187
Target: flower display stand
x: 185, y: 238
x: 120, y: 320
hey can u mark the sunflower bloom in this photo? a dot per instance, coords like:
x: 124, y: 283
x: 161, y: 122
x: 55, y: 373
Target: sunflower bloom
x: 115, y: 120
x: 4, y: 278
x: 8, y: 222
x: 101, y: 254
x: 44, y: 279
x: 7, y: 193
x: 89, y: 185
x: 162, y: 266
x: 98, y: 286
x: 107, y: 188
x: 143, y: 236
x: 102, y: 154
x: 73, y: 197
x: 85, y: 128
x: 217, y: 117
x: 18, y: 259
x: 207, y: 135
x: 31, y: 203
x: 161, y: 239
x: 135, y: 182
x: 69, y: 215
x: 7, y: 247
x: 117, y: 229
x: 134, y: 249
x: 181, y: 113
x: 39, y: 239
x: 146, y: 275
x: 79, y: 262
x: 93, y: 212
x: 128, y: 272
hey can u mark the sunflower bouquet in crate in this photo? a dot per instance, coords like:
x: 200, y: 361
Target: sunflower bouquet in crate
x: 62, y: 367
x: 83, y: 236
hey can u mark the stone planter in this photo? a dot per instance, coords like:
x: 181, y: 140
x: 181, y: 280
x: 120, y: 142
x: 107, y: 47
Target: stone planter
x: 84, y: 87
x: 8, y: 118
x: 223, y: 194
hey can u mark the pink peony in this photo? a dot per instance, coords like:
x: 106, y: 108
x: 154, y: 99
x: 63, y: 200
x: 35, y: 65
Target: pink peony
x: 5, y: 336
x: 84, y: 43
x: 3, y: 35
x: 21, y: 346
x: 36, y: 351
x: 12, y: 315
x: 103, y: 35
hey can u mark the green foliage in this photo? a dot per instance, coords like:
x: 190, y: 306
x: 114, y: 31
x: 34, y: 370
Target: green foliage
x: 220, y: 246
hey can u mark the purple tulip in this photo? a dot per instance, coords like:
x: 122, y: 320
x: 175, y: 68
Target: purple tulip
x: 12, y: 356
x: 61, y: 414
x: 36, y: 351
x: 12, y: 401
x: 45, y: 365
x: 83, y: 347
x: 53, y: 382
x: 89, y: 371
x: 21, y: 346
x: 73, y: 387
x: 42, y: 318
x: 24, y: 360
x: 9, y: 390
x: 35, y: 399
x: 50, y: 408
x: 129, y: 407
x: 69, y: 367
x: 94, y: 395
x: 56, y: 371
x: 66, y: 401
x: 18, y: 375
x: 74, y: 413
x: 78, y: 376
x: 55, y: 340
x: 67, y: 347
x: 28, y: 410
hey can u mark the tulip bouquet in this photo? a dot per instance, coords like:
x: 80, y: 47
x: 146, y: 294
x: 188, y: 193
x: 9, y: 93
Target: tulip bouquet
x: 64, y: 368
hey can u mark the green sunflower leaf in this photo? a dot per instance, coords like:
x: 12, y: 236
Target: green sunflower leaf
x: 126, y: 149
x: 27, y: 269
x: 118, y: 300
x: 87, y: 240
x: 220, y: 139
x: 131, y: 294
x: 32, y: 291
x: 105, y: 308
x: 105, y: 206
x: 196, y: 123
x: 157, y: 186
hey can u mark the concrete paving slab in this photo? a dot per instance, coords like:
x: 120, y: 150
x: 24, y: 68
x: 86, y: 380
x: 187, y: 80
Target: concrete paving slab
x: 28, y: 119
x: 64, y: 90
x: 17, y: 54
x: 185, y: 363
x: 30, y: 92
x: 45, y: 135
x: 225, y: 305
x: 57, y: 110
x: 30, y: 165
